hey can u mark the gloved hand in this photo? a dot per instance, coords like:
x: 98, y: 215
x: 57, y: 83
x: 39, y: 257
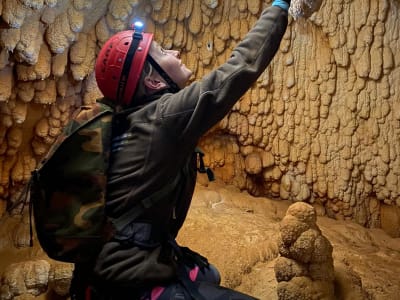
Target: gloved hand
x: 284, y: 4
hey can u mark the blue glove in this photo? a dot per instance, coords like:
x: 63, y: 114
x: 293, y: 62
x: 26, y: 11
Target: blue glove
x: 284, y: 4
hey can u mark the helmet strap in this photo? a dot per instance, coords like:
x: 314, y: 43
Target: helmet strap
x: 173, y: 87
x: 137, y: 37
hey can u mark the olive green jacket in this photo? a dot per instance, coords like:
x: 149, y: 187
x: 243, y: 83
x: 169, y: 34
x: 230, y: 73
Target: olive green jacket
x: 157, y: 140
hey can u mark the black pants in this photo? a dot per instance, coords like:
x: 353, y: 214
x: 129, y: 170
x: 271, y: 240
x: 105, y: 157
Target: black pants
x: 194, y: 283
x: 203, y: 291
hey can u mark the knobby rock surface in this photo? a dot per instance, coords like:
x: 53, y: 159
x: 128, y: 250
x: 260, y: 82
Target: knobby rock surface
x: 242, y: 236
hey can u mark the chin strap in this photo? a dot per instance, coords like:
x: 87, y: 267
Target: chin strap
x: 173, y: 87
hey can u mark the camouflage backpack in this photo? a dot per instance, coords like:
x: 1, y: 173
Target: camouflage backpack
x: 68, y: 189
x: 67, y: 192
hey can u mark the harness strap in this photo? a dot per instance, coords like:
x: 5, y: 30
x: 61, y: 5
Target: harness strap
x: 146, y: 203
x: 130, y: 215
x: 183, y: 276
x: 202, y: 168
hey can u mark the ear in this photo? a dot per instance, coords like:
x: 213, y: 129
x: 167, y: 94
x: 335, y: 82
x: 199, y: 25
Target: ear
x: 154, y: 84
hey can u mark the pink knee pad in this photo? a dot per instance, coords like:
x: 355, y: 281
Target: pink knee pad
x: 193, y: 273
x: 156, y: 292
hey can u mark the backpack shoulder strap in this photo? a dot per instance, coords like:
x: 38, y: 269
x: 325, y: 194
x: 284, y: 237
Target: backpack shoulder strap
x: 82, y: 116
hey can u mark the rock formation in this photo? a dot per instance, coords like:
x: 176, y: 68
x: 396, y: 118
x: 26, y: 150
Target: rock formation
x: 319, y: 126
x: 304, y: 269
x: 35, y: 277
x: 240, y: 235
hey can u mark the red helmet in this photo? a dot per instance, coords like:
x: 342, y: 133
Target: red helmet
x: 120, y: 63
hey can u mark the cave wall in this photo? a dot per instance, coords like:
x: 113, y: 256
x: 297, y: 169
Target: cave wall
x: 321, y: 125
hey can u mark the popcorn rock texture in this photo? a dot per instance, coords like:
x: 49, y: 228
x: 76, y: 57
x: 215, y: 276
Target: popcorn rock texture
x: 33, y: 278
x: 246, y: 230
x: 321, y: 125
x: 304, y: 269
x: 304, y: 8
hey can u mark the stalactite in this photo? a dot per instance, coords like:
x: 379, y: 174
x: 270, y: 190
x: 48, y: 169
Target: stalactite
x: 333, y: 80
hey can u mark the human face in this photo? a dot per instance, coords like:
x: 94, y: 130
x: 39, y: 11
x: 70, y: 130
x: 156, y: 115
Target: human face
x: 170, y: 62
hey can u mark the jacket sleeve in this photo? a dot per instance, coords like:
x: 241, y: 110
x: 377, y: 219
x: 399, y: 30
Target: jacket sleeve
x: 199, y: 106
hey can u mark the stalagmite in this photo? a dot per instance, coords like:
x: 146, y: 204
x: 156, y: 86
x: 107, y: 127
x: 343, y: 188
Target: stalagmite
x: 305, y: 267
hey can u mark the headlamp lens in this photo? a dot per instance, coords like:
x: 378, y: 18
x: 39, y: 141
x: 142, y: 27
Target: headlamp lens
x: 138, y: 26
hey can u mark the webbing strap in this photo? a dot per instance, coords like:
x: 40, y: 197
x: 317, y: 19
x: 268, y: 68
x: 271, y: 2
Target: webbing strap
x: 127, y: 65
x: 103, y: 109
x: 144, y: 204
x: 202, y: 168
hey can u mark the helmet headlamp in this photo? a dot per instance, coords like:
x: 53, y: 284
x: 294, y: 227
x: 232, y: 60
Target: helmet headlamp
x: 120, y: 63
